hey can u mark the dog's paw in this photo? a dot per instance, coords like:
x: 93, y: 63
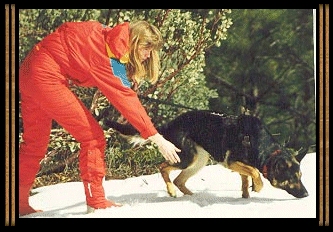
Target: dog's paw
x: 171, y: 190
x: 257, y: 184
x: 185, y: 190
x: 182, y: 188
x: 245, y: 194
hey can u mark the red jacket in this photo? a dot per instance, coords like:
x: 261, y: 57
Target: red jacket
x: 93, y: 55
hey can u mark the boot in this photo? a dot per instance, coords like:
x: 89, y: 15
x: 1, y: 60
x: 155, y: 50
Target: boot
x: 24, y: 207
x: 95, y: 195
x: 92, y: 168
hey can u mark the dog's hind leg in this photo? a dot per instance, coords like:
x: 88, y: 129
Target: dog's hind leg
x: 200, y: 159
x: 165, y: 169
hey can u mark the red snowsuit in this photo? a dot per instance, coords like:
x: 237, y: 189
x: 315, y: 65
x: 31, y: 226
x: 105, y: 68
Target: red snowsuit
x: 80, y: 52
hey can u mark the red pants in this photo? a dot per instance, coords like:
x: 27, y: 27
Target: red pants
x: 45, y: 96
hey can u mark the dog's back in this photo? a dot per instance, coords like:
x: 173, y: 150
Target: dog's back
x: 203, y: 128
x: 214, y: 132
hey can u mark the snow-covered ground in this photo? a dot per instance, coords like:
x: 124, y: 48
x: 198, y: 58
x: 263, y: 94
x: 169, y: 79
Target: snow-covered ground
x: 217, y: 193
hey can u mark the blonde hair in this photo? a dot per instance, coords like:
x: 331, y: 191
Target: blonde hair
x: 146, y: 36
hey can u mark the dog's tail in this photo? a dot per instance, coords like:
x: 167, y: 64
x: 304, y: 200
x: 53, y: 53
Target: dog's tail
x: 127, y: 131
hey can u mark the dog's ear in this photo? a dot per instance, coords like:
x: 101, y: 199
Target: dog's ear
x: 301, y: 153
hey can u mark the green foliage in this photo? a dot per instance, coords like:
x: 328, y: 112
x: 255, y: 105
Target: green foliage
x: 123, y: 161
x: 187, y: 35
x: 267, y: 65
x: 264, y: 61
x: 35, y: 24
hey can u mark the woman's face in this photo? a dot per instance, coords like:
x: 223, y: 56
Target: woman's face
x: 144, y: 53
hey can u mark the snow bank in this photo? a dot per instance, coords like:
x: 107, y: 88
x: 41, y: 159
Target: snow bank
x: 217, y: 193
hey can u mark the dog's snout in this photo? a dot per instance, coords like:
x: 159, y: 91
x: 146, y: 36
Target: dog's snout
x: 305, y: 194
x: 299, y: 192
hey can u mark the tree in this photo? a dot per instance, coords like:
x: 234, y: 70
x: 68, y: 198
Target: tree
x: 187, y: 35
x: 266, y: 65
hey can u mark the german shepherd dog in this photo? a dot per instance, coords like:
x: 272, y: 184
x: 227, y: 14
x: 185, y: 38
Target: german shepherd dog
x: 240, y: 143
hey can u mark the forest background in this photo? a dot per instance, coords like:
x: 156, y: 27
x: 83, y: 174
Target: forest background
x: 212, y: 59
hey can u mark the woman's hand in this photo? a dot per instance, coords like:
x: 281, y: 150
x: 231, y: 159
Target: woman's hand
x: 168, y: 150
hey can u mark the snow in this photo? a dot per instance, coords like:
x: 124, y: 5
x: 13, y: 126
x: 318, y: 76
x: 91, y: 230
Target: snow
x: 217, y: 193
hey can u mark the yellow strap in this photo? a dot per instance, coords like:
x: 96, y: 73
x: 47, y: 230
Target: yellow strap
x: 123, y: 59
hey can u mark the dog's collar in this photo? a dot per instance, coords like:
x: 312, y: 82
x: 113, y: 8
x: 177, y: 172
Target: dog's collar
x: 265, y: 169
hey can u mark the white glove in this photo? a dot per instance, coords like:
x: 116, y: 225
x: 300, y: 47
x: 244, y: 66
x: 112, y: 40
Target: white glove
x: 168, y: 150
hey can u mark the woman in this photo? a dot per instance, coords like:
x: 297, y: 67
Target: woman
x: 89, y: 54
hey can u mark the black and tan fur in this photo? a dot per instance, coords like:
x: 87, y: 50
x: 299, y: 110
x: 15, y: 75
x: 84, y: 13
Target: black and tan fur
x: 238, y: 142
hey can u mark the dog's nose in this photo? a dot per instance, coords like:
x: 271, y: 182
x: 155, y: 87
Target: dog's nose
x: 302, y: 194
x: 305, y: 194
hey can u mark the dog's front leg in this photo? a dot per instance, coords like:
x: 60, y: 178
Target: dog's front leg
x: 247, y: 170
x: 165, y: 169
x: 245, y: 186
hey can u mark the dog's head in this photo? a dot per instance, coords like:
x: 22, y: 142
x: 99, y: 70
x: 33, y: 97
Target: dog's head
x: 284, y: 173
